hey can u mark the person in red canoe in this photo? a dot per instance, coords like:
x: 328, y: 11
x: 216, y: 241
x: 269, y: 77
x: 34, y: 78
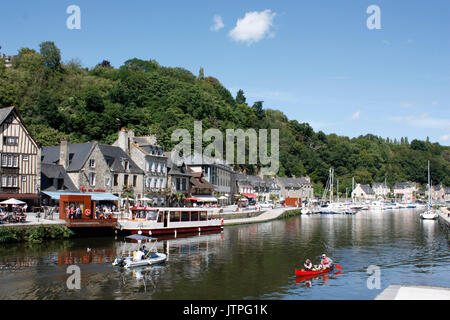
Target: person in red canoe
x: 308, y: 265
x: 326, y: 262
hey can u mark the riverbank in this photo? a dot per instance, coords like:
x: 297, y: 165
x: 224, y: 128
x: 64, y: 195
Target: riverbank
x: 34, y: 233
x: 444, y: 219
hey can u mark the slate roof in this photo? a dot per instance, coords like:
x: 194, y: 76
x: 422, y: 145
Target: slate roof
x: 367, y: 189
x: 4, y: 113
x: 403, y: 185
x: 174, y: 169
x: 78, y: 154
x: 114, y: 156
x: 55, y: 171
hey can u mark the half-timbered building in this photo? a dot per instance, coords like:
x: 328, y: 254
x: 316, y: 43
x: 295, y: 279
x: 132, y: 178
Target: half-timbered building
x: 20, y: 159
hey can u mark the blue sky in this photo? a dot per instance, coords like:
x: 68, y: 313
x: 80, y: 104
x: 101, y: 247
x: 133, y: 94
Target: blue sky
x: 314, y: 60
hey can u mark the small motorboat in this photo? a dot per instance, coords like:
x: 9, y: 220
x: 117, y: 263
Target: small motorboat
x: 151, y: 258
x: 302, y: 272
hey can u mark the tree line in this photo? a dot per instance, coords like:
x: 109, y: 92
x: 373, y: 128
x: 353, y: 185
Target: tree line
x: 59, y: 100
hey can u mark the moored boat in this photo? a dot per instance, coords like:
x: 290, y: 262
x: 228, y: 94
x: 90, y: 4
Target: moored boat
x: 159, y: 221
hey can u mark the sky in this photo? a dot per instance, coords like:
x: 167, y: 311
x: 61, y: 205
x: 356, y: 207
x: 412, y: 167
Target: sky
x: 320, y: 62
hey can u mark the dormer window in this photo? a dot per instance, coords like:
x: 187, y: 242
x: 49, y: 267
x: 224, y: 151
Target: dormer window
x: 126, y: 164
x: 92, y: 163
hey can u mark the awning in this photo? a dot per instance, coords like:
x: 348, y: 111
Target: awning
x: 205, y: 198
x: 249, y: 195
x: 95, y: 196
x: 192, y: 199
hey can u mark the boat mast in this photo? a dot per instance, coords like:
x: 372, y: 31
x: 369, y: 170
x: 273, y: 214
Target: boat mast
x: 353, y: 188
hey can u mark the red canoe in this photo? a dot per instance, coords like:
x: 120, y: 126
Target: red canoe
x: 300, y: 273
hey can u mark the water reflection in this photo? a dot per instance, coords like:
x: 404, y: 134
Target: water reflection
x: 244, y: 262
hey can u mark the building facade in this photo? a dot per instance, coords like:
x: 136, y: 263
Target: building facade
x: 95, y: 167
x: 20, y: 159
x: 295, y: 188
x: 380, y: 189
x: 150, y: 158
x: 363, y: 192
x: 406, y: 191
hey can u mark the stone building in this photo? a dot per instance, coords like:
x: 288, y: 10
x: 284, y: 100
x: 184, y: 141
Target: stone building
x: 95, y: 167
x: 406, y: 191
x: 150, y: 158
x: 178, y: 177
x: 363, y: 192
x: 295, y: 188
x: 380, y: 189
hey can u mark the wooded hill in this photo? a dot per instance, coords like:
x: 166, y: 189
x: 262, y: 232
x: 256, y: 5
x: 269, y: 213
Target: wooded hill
x: 60, y: 100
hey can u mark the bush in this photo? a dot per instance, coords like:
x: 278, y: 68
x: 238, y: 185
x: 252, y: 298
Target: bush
x: 34, y: 234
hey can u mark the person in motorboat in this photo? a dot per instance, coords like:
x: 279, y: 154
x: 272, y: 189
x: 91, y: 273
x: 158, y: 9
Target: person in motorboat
x: 308, y: 265
x: 326, y: 262
x: 138, y: 255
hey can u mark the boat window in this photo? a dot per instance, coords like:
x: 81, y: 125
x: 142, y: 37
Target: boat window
x: 194, y: 216
x: 161, y: 216
x: 140, y: 214
x: 203, y: 215
x: 174, y: 216
x: 152, y: 215
x: 185, y: 216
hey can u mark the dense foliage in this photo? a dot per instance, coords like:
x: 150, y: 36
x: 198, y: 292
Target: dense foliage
x: 65, y: 100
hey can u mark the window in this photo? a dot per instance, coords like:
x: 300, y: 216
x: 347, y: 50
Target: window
x: 116, y: 180
x: 134, y: 181
x: 11, y: 141
x: 25, y: 157
x: 10, y: 160
x: 125, y: 179
x: 92, y: 163
x: 126, y: 164
x: 107, y: 181
x: 24, y: 178
x: 92, y: 179
x: 10, y: 181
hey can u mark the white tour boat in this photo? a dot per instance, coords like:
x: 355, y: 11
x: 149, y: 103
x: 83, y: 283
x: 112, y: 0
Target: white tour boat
x: 171, y: 220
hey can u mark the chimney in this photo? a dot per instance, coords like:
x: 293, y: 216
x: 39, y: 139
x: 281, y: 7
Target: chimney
x: 123, y: 141
x: 64, y: 153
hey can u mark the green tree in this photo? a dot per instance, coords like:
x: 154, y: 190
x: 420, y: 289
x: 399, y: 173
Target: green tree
x: 51, y: 54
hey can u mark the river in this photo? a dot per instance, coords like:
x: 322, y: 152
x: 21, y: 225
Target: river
x: 254, y: 261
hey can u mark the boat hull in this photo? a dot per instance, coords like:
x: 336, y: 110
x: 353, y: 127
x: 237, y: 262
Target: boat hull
x: 300, y: 273
x: 129, y: 263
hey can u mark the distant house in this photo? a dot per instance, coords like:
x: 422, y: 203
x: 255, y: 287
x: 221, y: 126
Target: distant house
x: 406, y: 191
x: 7, y: 60
x: 20, y: 159
x: 363, y: 192
x: 380, y: 189
x: 295, y: 188
x: 447, y: 194
x: 200, y: 187
x: 437, y: 193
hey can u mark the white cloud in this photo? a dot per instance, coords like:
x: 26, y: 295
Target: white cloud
x: 356, y: 115
x: 445, y: 138
x: 253, y: 27
x: 218, y: 23
x: 424, y: 121
x: 406, y: 104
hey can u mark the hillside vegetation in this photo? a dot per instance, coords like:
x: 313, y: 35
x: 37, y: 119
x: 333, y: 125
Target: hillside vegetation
x: 60, y: 100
